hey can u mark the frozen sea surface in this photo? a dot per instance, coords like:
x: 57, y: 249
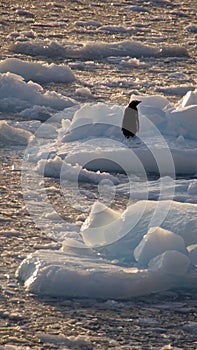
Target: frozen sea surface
x: 116, y: 212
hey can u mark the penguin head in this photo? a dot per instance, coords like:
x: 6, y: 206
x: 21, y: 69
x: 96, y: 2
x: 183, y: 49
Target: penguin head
x: 133, y: 104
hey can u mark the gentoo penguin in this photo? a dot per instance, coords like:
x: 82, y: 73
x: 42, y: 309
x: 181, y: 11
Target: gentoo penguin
x: 130, y: 123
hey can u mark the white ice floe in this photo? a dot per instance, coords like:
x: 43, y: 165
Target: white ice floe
x: 129, y: 227
x: 102, y: 276
x: 39, y: 72
x: 96, y: 50
x: 149, y: 246
x: 60, y: 275
x: 58, y: 168
x: 132, y: 63
x: 17, y: 95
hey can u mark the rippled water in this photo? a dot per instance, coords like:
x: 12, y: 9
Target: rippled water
x: 160, y: 23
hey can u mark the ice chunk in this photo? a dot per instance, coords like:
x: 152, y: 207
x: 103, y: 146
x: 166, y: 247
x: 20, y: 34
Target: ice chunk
x: 39, y: 72
x: 184, y: 119
x: 176, y: 90
x: 115, y: 29
x: 192, y: 249
x: 41, y: 113
x: 17, y: 95
x: 156, y: 242
x: 155, y: 101
x: 81, y: 341
x: 127, y: 232
x: 58, y: 168
x: 191, y: 327
x: 171, y: 262
x: 60, y: 275
x: 192, y: 188
x: 189, y: 99
x: 12, y: 135
x: 102, y: 226
x: 96, y: 50
x: 86, y: 51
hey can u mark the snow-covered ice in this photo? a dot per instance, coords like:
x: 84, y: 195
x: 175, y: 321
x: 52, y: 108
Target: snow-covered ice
x: 12, y: 135
x: 118, y: 234
x: 156, y: 242
x: 17, y: 95
x: 149, y: 244
x: 38, y: 72
x: 96, y: 50
x: 147, y: 247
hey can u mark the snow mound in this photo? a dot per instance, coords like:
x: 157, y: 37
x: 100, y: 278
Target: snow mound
x: 39, y: 72
x: 17, y: 95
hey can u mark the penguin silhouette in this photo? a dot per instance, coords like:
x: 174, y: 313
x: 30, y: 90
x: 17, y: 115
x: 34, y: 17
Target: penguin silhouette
x: 130, y: 123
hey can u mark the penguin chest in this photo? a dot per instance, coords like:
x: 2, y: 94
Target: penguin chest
x: 130, y: 120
